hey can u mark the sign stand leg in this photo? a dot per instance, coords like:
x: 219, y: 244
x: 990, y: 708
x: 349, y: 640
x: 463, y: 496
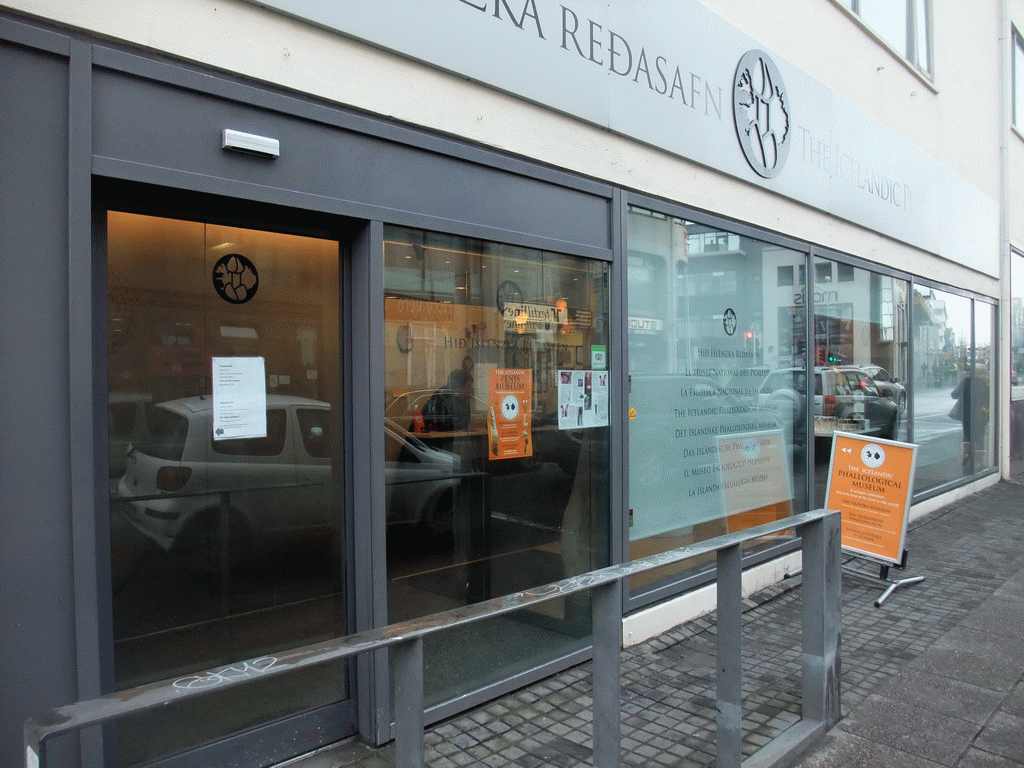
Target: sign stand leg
x: 883, y: 575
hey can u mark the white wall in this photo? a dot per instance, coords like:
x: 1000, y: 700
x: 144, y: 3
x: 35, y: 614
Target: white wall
x: 240, y: 37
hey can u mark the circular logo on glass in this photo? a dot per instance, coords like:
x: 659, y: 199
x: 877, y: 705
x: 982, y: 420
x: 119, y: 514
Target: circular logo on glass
x: 729, y: 321
x: 235, y: 278
x: 760, y: 109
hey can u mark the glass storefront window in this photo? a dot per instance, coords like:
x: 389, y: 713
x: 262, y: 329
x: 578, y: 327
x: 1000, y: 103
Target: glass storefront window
x: 717, y: 390
x: 942, y: 353
x: 860, y: 334
x: 978, y: 392
x: 1017, y: 362
x: 227, y: 538
x: 496, y: 434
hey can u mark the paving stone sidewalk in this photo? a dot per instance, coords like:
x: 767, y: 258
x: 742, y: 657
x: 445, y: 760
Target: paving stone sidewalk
x: 934, y: 677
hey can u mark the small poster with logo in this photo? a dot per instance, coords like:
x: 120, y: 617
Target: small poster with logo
x: 509, y: 409
x: 582, y: 399
x: 870, y: 483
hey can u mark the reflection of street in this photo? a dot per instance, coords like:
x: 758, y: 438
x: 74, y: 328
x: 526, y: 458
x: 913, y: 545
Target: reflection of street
x: 939, y: 439
x: 931, y: 416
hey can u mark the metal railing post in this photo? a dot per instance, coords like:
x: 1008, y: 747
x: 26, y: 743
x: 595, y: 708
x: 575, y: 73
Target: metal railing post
x: 33, y: 747
x: 730, y: 659
x: 821, y: 541
x: 605, y: 674
x: 822, y: 620
x: 407, y: 658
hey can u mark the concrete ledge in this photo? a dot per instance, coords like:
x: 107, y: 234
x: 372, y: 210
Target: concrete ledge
x: 651, y: 622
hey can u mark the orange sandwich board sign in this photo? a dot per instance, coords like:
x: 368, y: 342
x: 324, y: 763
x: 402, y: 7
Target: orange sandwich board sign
x: 869, y: 484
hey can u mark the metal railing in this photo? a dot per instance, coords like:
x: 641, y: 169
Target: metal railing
x: 819, y: 531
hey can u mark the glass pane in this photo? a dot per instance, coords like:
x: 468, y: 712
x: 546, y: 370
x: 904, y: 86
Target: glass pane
x: 496, y: 436
x: 922, y: 55
x: 717, y: 391
x: 1016, y: 363
x: 978, y: 393
x: 860, y: 360
x: 942, y: 346
x: 1018, y: 80
x: 889, y: 19
x: 226, y: 528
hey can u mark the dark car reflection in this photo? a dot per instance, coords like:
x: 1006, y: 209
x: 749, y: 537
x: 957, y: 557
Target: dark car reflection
x: 888, y: 385
x: 460, y: 423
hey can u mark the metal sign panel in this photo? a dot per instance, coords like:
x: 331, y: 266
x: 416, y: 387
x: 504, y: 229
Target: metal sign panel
x: 673, y: 74
x: 870, y: 483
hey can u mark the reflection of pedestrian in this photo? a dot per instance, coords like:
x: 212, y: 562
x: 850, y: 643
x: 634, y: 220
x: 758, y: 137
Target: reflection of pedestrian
x: 972, y: 408
x: 448, y: 409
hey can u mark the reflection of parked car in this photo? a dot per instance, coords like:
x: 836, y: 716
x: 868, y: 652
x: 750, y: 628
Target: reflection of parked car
x: 421, y: 480
x: 888, y: 386
x: 846, y: 398
x: 126, y: 423
x: 276, y: 483
x: 434, y: 417
x: 429, y: 411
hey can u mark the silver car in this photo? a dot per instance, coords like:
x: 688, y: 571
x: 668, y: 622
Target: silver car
x: 179, y: 481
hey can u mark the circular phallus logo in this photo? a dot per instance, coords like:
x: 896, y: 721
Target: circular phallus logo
x: 729, y: 321
x: 760, y: 109
x: 873, y: 455
x: 235, y: 278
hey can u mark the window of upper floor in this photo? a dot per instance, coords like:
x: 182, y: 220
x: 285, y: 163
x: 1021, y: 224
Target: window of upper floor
x: 1018, y: 80
x: 903, y: 25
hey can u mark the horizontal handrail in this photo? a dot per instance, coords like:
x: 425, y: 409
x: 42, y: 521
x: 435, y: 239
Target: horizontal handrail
x: 83, y: 714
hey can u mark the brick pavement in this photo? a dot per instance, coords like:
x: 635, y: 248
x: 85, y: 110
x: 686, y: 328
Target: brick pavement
x: 931, y: 678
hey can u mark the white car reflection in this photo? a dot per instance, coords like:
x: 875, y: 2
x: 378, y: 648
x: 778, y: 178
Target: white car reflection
x: 179, y: 480
x: 846, y: 398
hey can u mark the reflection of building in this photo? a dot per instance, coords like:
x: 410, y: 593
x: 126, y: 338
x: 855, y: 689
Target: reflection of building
x: 415, y: 210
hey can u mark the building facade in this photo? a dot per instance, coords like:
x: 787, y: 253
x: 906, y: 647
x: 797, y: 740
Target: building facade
x: 322, y: 317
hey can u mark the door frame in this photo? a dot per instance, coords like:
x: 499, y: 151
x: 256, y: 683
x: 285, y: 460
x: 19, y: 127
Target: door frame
x: 304, y: 731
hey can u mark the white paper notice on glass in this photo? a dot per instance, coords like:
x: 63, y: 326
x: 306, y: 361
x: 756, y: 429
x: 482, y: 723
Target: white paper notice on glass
x: 582, y: 399
x: 239, y: 398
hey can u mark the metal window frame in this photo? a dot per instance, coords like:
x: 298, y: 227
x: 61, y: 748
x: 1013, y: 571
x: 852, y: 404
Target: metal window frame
x: 925, y: 71
x: 362, y: 376
x: 689, y: 581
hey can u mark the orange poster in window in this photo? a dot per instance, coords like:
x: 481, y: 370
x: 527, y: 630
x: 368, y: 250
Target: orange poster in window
x: 508, y: 419
x: 870, y: 485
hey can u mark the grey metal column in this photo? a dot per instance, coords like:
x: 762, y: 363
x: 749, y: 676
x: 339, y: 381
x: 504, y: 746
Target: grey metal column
x: 607, y: 622
x: 408, y: 660
x: 822, y: 630
x: 730, y: 658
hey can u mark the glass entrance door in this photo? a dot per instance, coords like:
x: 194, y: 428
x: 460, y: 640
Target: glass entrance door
x: 228, y: 539
x: 496, y: 446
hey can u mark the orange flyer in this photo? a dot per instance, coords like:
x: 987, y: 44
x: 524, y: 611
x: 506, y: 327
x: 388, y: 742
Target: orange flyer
x: 869, y: 484
x: 510, y: 408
